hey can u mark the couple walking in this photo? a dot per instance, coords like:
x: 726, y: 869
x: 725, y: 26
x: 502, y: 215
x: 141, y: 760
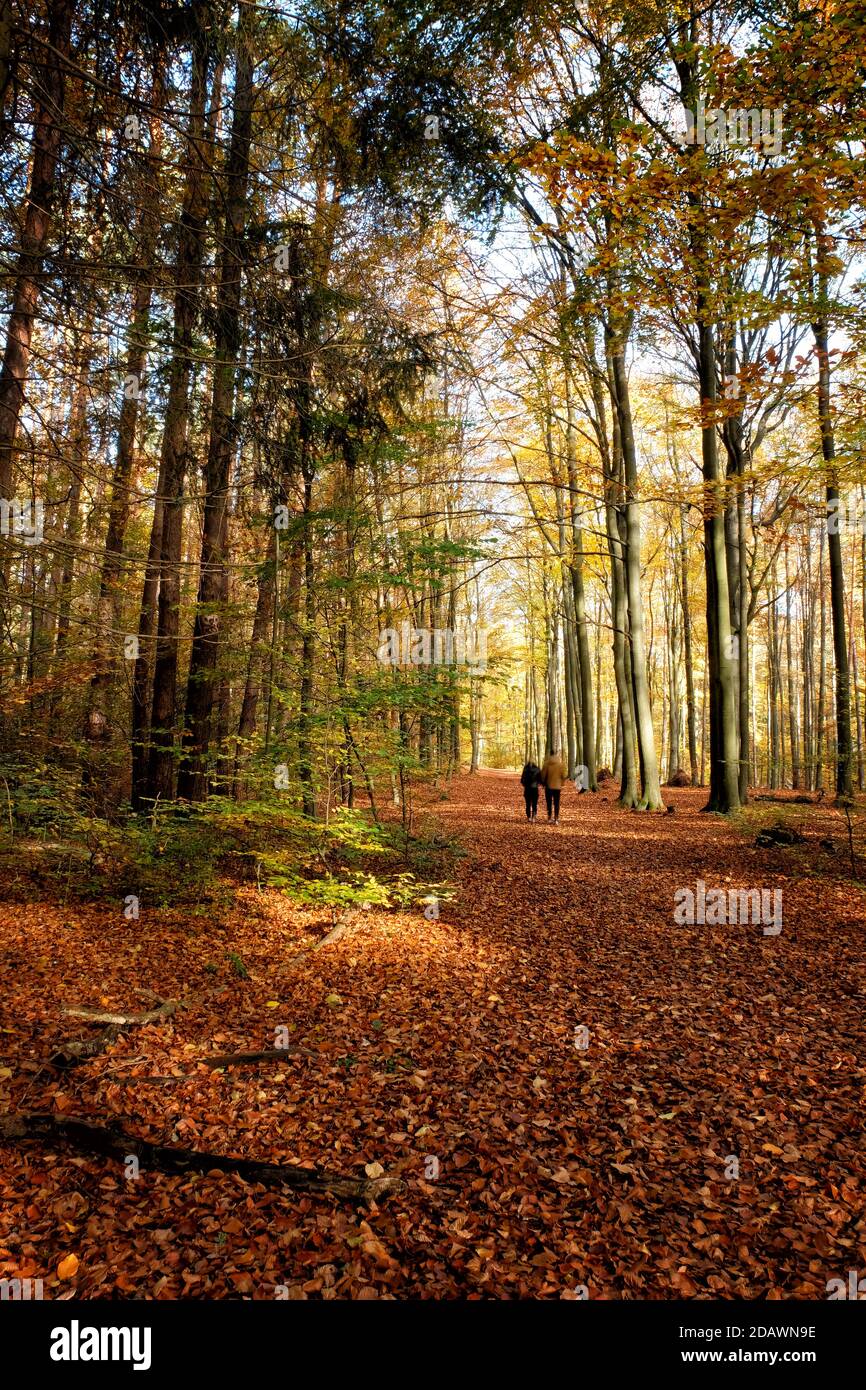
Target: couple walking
x: 552, y: 777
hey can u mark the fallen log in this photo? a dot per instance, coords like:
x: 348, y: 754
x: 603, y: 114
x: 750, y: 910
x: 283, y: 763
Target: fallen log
x: 165, y: 1010
x: 231, y: 1059
x: 115, y: 1142
x: 801, y: 800
x: 270, y: 1054
x: 775, y: 835
x: 335, y: 934
x: 73, y: 1053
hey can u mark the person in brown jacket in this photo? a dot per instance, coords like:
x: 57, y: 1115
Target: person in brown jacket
x: 553, y: 778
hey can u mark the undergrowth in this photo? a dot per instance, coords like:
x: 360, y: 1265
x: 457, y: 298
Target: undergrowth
x: 182, y: 854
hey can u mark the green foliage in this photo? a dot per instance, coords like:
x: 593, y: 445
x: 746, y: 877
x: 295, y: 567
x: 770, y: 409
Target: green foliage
x: 356, y: 890
x: 335, y: 872
x: 184, y: 854
x: 41, y: 799
x: 237, y: 965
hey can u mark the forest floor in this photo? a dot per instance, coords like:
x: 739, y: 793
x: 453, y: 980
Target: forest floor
x: 445, y: 1052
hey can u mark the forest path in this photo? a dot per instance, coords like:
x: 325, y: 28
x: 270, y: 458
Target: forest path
x: 703, y: 1042
x: 445, y: 1052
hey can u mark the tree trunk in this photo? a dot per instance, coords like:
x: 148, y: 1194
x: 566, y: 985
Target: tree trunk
x: 724, y: 745
x: 265, y: 600
x: 50, y: 95
x: 651, y: 796
x: 721, y: 651
x: 173, y: 458
x: 674, y: 699
x: 820, y: 330
x: 213, y: 575
x: 687, y: 650
x: 822, y: 669
x: 110, y: 579
x: 76, y: 444
x: 305, y: 711
x: 793, y: 724
x: 584, y: 672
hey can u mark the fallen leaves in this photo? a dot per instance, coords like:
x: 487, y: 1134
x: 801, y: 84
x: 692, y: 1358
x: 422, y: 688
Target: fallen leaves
x: 447, y: 1057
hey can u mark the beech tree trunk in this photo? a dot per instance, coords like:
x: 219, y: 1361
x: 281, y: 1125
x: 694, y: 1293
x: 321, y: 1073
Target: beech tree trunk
x: 651, y: 796
x: 584, y: 672
x: 820, y: 330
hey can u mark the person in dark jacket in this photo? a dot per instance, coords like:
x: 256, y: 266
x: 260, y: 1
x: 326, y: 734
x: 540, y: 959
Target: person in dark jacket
x: 530, y: 780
